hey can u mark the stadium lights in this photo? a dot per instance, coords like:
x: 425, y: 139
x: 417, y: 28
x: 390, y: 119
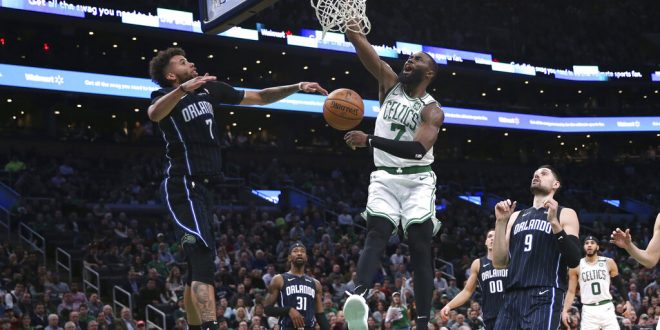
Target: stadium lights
x: 283, y: 53
x: 499, y: 89
x: 136, y: 110
x: 258, y: 62
x: 56, y: 112
x: 174, y: 43
x: 267, y: 116
x: 620, y: 91
x: 115, y: 45
x: 114, y: 116
x: 91, y: 33
x: 231, y: 113
x: 270, y: 72
x: 333, y: 78
x: 234, y: 124
x: 78, y: 105
x: 588, y: 136
x: 483, y: 94
x: 444, y: 129
x: 469, y: 141
x: 559, y: 136
x: 506, y: 134
x: 22, y: 112
x: 645, y: 96
x: 526, y: 82
x: 9, y: 100
x: 561, y: 143
x: 579, y: 91
x: 541, y: 91
x: 347, y: 72
x: 245, y: 68
x: 655, y: 91
x: 453, y: 73
x: 210, y: 56
x: 305, y: 67
x: 143, y: 58
x: 134, y: 38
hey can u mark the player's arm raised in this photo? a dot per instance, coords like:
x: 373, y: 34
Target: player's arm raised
x: 649, y: 257
x: 504, y: 219
x: 162, y: 106
x: 567, y: 231
x: 274, y: 94
x: 320, y: 314
x: 425, y: 137
x: 465, y: 294
x: 570, y: 295
x: 378, y: 68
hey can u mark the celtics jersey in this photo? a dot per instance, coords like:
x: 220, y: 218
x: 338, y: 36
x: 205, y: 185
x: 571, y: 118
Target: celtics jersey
x: 399, y: 118
x: 594, y: 281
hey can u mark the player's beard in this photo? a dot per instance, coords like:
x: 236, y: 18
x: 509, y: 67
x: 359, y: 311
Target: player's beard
x: 413, y: 78
x: 591, y: 254
x: 299, y: 263
x: 538, y: 190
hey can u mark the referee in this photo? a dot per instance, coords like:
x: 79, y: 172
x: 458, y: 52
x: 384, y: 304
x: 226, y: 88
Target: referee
x: 184, y: 109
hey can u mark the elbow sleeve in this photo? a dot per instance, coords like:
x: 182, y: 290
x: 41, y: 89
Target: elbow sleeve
x: 569, y: 247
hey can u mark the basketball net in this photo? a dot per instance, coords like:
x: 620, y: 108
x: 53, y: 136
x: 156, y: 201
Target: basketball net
x: 342, y: 15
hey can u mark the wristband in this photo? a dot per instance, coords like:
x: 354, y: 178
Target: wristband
x: 560, y: 235
x: 300, y: 86
x: 181, y: 89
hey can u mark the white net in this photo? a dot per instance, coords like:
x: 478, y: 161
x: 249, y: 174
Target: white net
x: 342, y: 15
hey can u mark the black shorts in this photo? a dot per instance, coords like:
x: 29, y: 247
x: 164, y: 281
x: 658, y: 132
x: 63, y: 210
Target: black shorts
x: 490, y: 323
x: 190, y: 205
x: 533, y: 308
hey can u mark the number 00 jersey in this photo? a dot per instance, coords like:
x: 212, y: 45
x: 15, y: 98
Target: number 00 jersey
x: 298, y: 292
x: 492, y: 282
x: 594, y: 281
x: 399, y: 118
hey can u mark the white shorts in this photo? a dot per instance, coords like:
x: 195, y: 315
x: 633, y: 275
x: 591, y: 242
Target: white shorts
x: 599, y: 317
x: 402, y: 198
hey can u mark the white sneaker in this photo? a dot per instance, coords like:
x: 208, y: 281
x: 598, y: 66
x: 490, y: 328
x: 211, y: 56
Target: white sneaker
x: 356, y: 311
x: 436, y: 225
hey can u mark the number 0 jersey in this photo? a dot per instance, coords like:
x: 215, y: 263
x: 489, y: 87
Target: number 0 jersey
x: 399, y: 118
x: 594, y: 281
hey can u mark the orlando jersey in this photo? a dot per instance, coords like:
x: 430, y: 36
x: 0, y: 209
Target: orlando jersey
x: 298, y: 292
x: 534, y: 257
x: 492, y: 283
x: 398, y: 119
x: 190, y: 130
x: 594, y: 281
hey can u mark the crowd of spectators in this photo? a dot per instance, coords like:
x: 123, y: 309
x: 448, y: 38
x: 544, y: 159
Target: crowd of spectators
x: 139, y: 252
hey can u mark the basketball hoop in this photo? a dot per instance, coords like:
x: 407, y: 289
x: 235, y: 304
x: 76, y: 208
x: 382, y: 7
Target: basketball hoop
x: 342, y: 15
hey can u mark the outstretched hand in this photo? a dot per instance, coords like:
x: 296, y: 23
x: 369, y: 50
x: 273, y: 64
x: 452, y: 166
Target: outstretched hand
x: 196, y: 82
x: 312, y: 87
x: 621, y: 239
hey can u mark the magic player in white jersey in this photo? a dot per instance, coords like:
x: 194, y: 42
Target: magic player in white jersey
x: 594, y: 274
x: 402, y: 188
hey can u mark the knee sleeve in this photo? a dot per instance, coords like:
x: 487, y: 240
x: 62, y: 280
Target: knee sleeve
x: 201, y: 266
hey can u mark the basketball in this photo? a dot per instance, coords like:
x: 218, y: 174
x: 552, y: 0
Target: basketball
x: 343, y: 109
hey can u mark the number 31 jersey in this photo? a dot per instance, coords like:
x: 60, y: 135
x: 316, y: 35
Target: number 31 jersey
x: 298, y: 292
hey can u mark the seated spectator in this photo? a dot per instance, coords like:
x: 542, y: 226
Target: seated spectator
x: 53, y: 322
x: 26, y: 323
x: 39, y: 317
x: 125, y: 322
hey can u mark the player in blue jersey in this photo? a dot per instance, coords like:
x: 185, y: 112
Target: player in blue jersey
x: 491, y: 283
x: 184, y: 109
x: 298, y: 296
x: 538, y: 245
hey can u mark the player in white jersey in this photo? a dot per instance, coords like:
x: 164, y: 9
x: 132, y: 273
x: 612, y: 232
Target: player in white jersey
x: 594, y: 274
x: 402, y: 188
x: 649, y: 257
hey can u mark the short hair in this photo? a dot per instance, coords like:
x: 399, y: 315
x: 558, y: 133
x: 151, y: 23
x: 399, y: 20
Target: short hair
x: 434, y: 66
x: 553, y: 170
x: 159, y: 62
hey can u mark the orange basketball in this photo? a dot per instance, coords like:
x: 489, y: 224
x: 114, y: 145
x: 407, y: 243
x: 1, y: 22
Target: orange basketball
x: 343, y: 109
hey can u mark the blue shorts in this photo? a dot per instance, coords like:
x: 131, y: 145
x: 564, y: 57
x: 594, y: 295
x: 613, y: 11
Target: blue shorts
x: 533, y: 308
